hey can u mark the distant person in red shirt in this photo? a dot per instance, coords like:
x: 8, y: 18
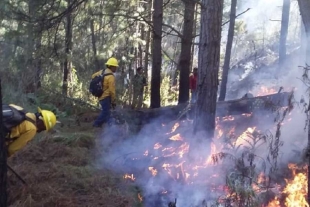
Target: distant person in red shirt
x: 193, y: 85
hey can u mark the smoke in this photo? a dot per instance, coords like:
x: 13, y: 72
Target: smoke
x: 261, y: 14
x: 138, y: 155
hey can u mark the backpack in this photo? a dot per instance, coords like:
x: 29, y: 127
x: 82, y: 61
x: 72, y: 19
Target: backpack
x: 96, y: 84
x: 12, y: 117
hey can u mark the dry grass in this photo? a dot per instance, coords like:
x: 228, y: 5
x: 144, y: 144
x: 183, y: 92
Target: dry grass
x: 60, y: 172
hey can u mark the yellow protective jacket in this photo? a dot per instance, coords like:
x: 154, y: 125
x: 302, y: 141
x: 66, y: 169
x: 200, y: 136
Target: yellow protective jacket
x: 21, y: 134
x: 108, y: 85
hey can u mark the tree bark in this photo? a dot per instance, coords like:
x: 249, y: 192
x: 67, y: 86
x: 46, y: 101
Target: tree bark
x: 208, y: 66
x: 93, y: 41
x: 304, y: 7
x: 229, y: 43
x: 38, y: 61
x: 148, y: 8
x: 156, y: 53
x: 194, y: 35
x: 140, y: 54
x: 68, y: 49
x: 284, y: 30
x: 3, y: 157
x: 30, y: 49
x: 186, y: 44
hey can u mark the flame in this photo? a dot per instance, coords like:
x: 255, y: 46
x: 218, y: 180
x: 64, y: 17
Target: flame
x: 157, y: 146
x: 176, y: 137
x: 153, y: 171
x: 263, y: 90
x: 243, y: 138
x: 129, y: 177
x: 274, y: 203
x: 175, y: 126
x: 296, y: 190
x: 170, y: 155
x: 140, y: 198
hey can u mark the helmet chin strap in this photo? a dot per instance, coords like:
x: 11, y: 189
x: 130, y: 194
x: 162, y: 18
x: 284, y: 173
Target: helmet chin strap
x: 39, y: 116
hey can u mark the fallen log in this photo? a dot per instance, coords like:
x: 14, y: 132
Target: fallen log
x: 269, y: 103
x: 244, y: 105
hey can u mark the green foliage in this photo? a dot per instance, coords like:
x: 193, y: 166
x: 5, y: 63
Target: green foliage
x: 167, y: 95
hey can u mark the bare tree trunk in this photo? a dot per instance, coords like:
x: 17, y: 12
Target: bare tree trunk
x: 156, y: 53
x: 303, y: 46
x: 148, y: 8
x: 68, y: 49
x: 38, y: 61
x: 186, y: 44
x: 93, y: 41
x: 284, y: 29
x: 140, y: 55
x: 30, y: 48
x: 208, y: 67
x: 3, y: 157
x: 229, y: 43
x: 304, y: 7
x: 194, y: 36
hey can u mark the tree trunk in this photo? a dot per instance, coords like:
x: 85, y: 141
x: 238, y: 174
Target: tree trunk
x: 3, y: 157
x: 194, y: 36
x: 208, y: 67
x: 38, y: 61
x: 93, y: 41
x: 140, y: 55
x: 68, y: 49
x: 156, y: 53
x: 304, y: 6
x: 186, y: 44
x: 30, y: 48
x: 229, y: 43
x: 148, y: 8
x: 284, y: 29
x: 303, y: 46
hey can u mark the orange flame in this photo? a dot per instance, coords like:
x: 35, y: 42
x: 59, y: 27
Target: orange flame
x: 140, y: 198
x: 176, y: 125
x: 153, y: 171
x: 176, y: 137
x: 129, y: 177
x: 296, y: 190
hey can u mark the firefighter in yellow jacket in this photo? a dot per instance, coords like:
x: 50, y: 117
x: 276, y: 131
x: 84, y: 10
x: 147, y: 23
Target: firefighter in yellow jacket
x: 107, y: 99
x: 21, y: 134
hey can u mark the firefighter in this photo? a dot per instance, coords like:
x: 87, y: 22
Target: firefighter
x: 139, y: 82
x: 107, y: 99
x: 20, y: 135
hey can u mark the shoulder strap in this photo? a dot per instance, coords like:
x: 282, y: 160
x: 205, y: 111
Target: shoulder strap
x: 107, y: 74
x: 30, y: 120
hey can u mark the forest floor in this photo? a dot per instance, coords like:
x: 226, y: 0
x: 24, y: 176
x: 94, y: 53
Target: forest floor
x: 60, y: 169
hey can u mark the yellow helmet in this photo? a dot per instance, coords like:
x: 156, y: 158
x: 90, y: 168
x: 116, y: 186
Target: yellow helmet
x: 49, y: 118
x: 112, y: 62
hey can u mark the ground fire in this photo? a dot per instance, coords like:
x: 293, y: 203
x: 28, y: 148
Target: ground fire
x: 238, y: 138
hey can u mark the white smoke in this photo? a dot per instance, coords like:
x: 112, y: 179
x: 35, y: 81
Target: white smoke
x: 136, y: 153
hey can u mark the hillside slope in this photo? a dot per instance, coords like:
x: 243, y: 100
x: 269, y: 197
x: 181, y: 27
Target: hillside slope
x: 60, y: 170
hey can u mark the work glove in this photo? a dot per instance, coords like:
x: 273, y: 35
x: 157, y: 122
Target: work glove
x: 113, y: 105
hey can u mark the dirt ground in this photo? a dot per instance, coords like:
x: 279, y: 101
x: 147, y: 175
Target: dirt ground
x: 60, y: 170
